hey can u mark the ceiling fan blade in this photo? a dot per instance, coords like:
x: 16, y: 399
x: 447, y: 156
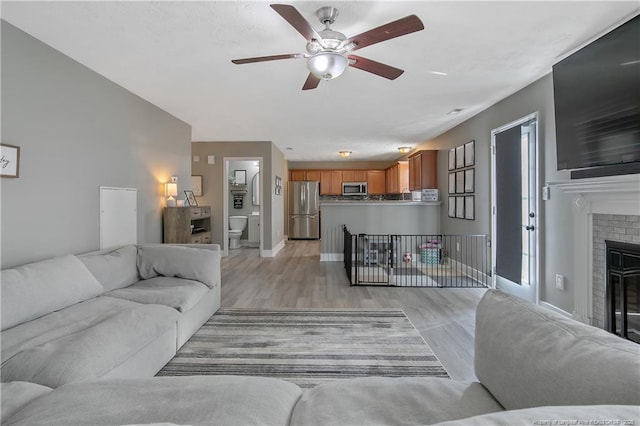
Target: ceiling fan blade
x: 266, y: 58
x: 403, y: 26
x: 311, y: 83
x: 297, y: 21
x: 377, y: 68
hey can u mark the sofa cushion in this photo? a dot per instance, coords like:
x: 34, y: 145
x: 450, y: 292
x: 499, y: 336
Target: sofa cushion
x: 182, y: 262
x: 36, y: 289
x: 91, y: 352
x: 16, y: 395
x: 528, y: 356
x: 562, y: 415
x: 194, y: 400
x: 392, y: 401
x: 60, y: 324
x: 113, y: 269
x: 176, y: 293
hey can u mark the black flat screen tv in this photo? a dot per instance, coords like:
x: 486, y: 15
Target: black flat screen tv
x: 597, y: 104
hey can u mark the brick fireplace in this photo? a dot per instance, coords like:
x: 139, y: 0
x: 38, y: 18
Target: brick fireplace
x: 604, y: 209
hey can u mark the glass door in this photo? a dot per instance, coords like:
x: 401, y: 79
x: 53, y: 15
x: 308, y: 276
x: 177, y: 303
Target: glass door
x: 514, y: 183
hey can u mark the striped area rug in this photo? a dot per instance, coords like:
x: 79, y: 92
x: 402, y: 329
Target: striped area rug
x: 307, y: 347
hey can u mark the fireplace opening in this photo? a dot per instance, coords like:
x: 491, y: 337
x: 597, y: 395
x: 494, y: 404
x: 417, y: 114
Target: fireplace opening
x: 623, y: 289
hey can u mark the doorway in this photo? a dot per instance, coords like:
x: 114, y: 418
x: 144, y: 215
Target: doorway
x: 514, y: 204
x: 243, y: 193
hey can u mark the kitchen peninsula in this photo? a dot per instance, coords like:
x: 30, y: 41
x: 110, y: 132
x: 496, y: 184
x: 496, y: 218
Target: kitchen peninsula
x: 374, y: 217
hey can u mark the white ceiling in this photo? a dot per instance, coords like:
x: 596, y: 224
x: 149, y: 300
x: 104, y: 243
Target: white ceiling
x: 177, y: 55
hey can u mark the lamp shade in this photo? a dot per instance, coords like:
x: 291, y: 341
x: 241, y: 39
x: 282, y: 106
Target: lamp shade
x: 171, y: 189
x: 327, y: 65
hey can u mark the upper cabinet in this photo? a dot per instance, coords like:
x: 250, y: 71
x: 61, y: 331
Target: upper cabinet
x: 397, y: 178
x: 423, y: 170
x: 354, y: 175
x: 376, y: 182
x: 330, y: 182
x: 298, y: 175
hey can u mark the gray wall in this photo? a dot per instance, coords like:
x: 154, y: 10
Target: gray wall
x: 77, y: 131
x: 554, y: 215
x: 213, y: 184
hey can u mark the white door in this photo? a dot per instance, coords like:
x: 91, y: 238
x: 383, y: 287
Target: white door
x: 514, y: 196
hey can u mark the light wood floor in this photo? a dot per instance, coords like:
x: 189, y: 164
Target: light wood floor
x: 296, y: 278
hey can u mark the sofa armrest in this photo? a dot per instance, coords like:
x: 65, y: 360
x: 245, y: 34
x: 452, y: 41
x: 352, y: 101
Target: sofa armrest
x: 193, y: 262
x: 528, y: 356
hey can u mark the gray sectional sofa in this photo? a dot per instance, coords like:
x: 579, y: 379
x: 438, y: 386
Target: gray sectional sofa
x: 108, y: 314
x: 534, y: 368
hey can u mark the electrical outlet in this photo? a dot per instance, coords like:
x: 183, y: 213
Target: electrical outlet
x: 560, y: 282
x: 457, y: 246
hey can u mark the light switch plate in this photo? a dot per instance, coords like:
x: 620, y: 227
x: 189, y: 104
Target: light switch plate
x: 560, y: 282
x: 546, y: 193
x: 211, y: 159
x: 196, y: 158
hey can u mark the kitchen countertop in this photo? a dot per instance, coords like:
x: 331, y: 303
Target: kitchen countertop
x: 379, y: 203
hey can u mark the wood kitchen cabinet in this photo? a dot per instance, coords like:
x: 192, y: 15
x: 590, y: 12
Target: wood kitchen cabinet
x: 313, y: 175
x: 376, y: 182
x: 297, y: 175
x: 354, y: 175
x: 397, y: 178
x: 423, y: 170
x: 330, y: 182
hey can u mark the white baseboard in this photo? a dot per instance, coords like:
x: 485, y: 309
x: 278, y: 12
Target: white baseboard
x: 274, y: 251
x: 470, y: 272
x: 331, y: 257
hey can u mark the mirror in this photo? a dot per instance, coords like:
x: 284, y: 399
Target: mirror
x: 255, y: 189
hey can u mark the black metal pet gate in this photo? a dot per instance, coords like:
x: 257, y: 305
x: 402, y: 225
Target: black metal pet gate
x: 417, y: 260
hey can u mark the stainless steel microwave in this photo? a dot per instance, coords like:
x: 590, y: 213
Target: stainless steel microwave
x: 354, y: 188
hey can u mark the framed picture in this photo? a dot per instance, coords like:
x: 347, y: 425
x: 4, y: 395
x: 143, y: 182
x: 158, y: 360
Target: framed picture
x: 460, y: 182
x: 469, y: 207
x: 9, y: 161
x: 470, y: 153
x: 469, y: 180
x: 452, y: 159
x: 452, y: 206
x: 460, y: 157
x: 196, y: 185
x: 460, y: 207
x: 240, y: 177
x: 191, y: 199
x: 452, y: 183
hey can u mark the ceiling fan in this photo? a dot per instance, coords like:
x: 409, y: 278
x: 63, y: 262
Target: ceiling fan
x: 329, y: 52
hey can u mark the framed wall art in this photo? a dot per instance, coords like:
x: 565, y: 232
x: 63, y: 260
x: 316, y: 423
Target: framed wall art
x: 469, y: 207
x: 470, y: 153
x: 460, y: 157
x: 9, y: 161
x: 452, y: 183
x: 196, y: 185
x: 460, y: 182
x: 459, y: 207
x: 469, y: 180
x: 452, y: 159
x: 452, y: 206
x: 191, y: 199
x: 240, y: 177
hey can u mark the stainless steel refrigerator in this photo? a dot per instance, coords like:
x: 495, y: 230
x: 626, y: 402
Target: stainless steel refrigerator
x: 304, y: 210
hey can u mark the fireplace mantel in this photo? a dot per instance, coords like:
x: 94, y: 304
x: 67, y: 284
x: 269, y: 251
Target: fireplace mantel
x: 605, y: 195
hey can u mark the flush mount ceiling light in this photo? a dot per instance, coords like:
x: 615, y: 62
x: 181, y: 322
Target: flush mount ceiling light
x: 345, y: 154
x: 455, y: 111
x: 404, y: 149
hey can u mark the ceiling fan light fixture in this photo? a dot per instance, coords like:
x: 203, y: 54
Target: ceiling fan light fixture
x: 327, y: 65
x: 345, y: 154
x: 404, y: 149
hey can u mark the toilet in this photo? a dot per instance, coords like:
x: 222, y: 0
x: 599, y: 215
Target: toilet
x: 236, y: 226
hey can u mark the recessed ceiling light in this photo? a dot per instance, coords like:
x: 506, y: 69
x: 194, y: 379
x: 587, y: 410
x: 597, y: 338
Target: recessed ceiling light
x: 439, y: 73
x: 455, y: 111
